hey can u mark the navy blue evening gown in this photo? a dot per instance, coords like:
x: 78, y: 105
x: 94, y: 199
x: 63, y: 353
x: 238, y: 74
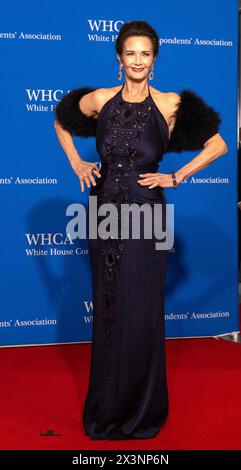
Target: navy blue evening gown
x: 127, y: 394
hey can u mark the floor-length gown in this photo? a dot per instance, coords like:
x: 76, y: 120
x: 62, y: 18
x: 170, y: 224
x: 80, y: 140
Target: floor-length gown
x: 128, y: 395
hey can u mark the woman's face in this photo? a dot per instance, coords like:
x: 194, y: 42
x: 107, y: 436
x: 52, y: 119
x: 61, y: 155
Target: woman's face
x: 137, y: 57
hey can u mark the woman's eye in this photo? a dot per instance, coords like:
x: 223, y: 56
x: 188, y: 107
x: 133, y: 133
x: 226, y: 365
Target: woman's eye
x: 131, y: 53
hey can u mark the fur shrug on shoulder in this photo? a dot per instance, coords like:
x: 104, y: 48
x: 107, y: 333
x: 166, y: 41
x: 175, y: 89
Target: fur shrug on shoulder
x: 71, y: 118
x: 195, y: 120
x: 195, y: 123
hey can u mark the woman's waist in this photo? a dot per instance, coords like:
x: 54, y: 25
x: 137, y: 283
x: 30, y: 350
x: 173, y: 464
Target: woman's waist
x: 121, y: 165
x: 127, y: 191
x: 119, y: 178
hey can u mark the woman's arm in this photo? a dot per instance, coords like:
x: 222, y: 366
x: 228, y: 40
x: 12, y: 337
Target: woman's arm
x: 72, y: 120
x: 213, y: 149
x: 194, y: 126
x: 81, y: 168
x: 203, y: 120
x: 67, y: 143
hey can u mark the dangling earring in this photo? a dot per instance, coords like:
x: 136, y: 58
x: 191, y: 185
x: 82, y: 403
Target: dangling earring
x: 120, y: 71
x: 151, y: 74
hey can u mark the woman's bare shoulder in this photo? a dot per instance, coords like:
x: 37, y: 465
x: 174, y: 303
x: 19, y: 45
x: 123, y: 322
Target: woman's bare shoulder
x: 92, y: 102
x: 167, y: 103
x: 169, y: 97
x: 102, y: 95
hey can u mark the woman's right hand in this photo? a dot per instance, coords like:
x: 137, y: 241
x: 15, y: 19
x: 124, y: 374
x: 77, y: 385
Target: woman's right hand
x: 84, y: 172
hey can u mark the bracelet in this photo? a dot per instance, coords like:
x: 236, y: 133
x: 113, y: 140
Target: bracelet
x: 174, y: 181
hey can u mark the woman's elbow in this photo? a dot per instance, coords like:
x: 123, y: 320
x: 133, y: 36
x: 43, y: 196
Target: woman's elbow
x: 220, y: 144
x: 223, y: 145
x: 224, y: 148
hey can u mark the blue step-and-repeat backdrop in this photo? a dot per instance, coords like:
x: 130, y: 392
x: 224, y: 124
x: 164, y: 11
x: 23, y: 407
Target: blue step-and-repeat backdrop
x: 48, y: 49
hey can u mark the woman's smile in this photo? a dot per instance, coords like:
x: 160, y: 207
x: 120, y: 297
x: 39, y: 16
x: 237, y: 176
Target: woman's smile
x: 137, y: 69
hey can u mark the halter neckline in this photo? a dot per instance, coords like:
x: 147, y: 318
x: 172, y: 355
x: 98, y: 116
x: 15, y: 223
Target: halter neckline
x: 135, y: 102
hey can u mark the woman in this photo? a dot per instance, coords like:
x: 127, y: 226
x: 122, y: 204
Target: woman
x: 134, y: 125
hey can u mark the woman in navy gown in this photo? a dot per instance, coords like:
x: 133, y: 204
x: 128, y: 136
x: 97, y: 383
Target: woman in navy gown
x: 127, y: 396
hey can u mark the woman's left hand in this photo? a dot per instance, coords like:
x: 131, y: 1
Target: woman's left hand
x: 157, y: 179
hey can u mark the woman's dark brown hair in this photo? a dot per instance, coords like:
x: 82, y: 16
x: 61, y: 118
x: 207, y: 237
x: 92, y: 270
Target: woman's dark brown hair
x: 136, y: 28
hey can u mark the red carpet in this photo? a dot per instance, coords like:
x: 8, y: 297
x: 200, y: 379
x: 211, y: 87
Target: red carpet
x: 43, y: 388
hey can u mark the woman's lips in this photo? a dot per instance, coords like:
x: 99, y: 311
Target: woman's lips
x: 137, y: 70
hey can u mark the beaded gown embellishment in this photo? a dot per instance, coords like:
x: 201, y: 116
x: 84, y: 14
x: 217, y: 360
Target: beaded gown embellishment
x: 124, y: 126
x: 127, y: 394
